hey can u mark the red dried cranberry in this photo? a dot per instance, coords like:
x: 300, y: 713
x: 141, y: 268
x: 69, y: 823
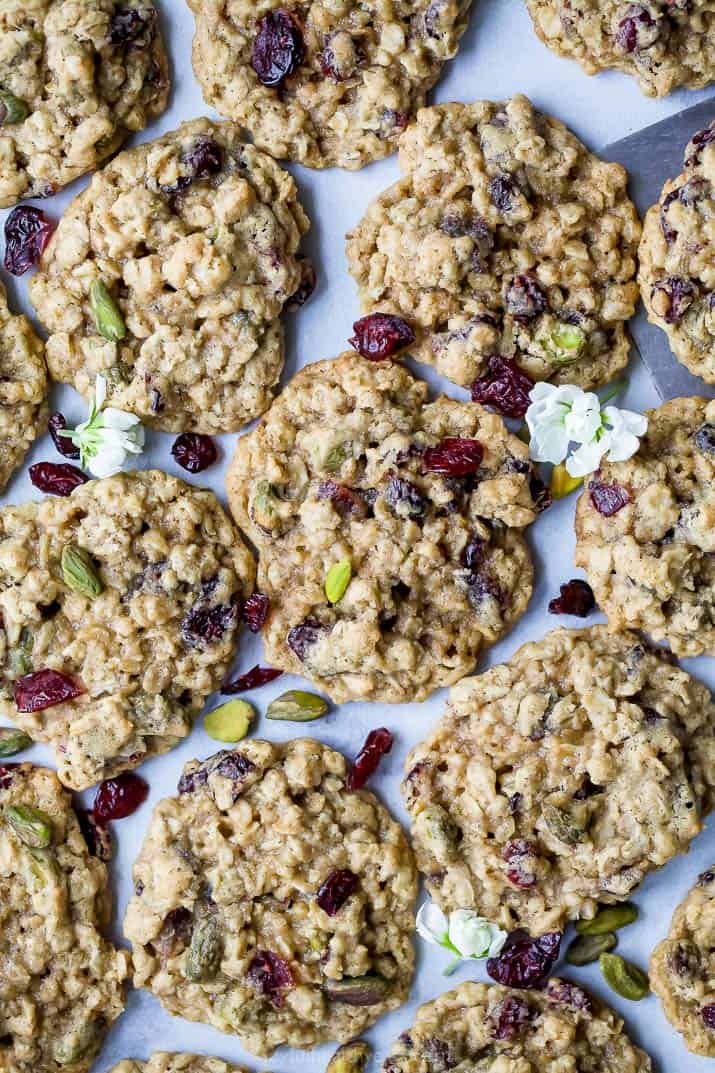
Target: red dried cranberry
x: 194, y: 452
x: 698, y: 142
x: 474, y: 553
x: 255, y: 611
x: 503, y: 386
x: 7, y: 774
x: 27, y: 232
x: 189, y: 781
x: 608, y: 499
x: 97, y: 835
x: 576, y: 599
x: 669, y: 233
x: 43, y: 689
x: 525, y: 299
x: 335, y: 891
x: 481, y: 586
x: 454, y: 456
x: 235, y: 766
x: 525, y: 962
x: 708, y: 1015
x: 56, y: 478
x: 704, y: 438
x: 303, y: 636
x: 55, y: 425
x: 706, y: 878
x: 127, y: 25
x: 501, y: 191
x: 344, y: 499
x: 539, y: 493
x: 175, y: 933
x: 510, y: 1017
x: 271, y: 976
x: 305, y: 288
x: 521, y: 856
x: 257, y: 676
x: 638, y: 30
x: 206, y: 625
x: 205, y: 157
x: 515, y: 802
x: 404, y: 498
x: 278, y: 48
x: 437, y: 1052
x: 567, y: 994
x: 377, y: 744
x: 119, y: 797
x: 680, y: 294
x: 380, y: 335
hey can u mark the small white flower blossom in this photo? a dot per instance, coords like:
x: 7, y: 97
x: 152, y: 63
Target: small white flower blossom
x: 625, y: 429
x: 463, y: 933
x: 108, y: 435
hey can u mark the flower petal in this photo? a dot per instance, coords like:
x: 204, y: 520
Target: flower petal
x: 431, y: 923
x: 587, y: 457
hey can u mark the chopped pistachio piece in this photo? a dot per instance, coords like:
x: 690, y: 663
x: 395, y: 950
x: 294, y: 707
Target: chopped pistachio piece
x: 337, y: 580
x: 297, y: 706
x: 31, y: 826
x: 107, y: 318
x: 79, y: 572
x: 351, y: 1058
x: 12, y: 109
x: 623, y: 977
x: 566, y: 343
x: 230, y: 721
x: 13, y: 741
x: 204, y: 954
x: 588, y: 948
x: 366, y: 990
x: 609, y: 918
x: 562, y: 483
x: 78, y: 1043
x: 562, y: 824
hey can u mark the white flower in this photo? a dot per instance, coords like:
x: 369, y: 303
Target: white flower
x: 108, y: 435
x: 626, y: 427
x: 464, y: 933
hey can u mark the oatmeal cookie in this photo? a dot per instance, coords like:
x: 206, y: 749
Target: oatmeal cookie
x: 558, y: 780
x: 161, y: 1062
x: 682, y: 968
x: 23, y: 387
x: 662, y: 43
x: 353, y: 464
x: 76, y: 78
x: 320, y: 82
x: 677, y: 258
x: 130, y: 589
x: 195, y: 238
x: 645, y: 531
x: 62, y: 983
x: 484, y: 1027
x: 505, y: 236
x: 272, y: 902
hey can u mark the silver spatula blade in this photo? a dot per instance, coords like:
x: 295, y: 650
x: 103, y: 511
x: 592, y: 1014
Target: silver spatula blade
x: 652, y: 156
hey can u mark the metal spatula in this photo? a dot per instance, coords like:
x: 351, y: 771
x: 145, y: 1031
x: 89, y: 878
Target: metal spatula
x: 651, y: 156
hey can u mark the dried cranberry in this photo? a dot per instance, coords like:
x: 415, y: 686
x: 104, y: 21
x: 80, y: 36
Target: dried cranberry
x: 638, y: 30
x: 510, y: 1017
x: 366, y: 763
x: 540, y: 493
x: 97, y: 835
x: 303, y: 636
x: 515, y: 802
x: 698, y: 142
x: 127, y: 25
x: 405, y: 498
x: 504, y: 386
x: 669, y: 233
x: 205, y: 157
x: 235, y: 766
x: 680, y: 294
x: 278, y: 48
x: 608, y: 499
x: 56, y: 478
x: 704, y: 439
x: 474, y: 553
x: 206, y: 625
x: 438, y: 1053
x: 190, y: 780
x: 257, y: 676
x: 156, y: 401
x: 706, y: 878
x: 305, y: 288
x: 454, y: 456
x: 587, y: 789
x: 380, y: 335
x: 194, y: 452
x: 525, y: 962
x: 255, y: 611
x: 567, y: 994
x: 344, y: 499
x: 482, y: 586
x: 55, y: 425
x: 27, y: 232
x: 335, y: 891
x: 708, y: 1015
x: 119, y: 797
x: 501, y: 191
x: 175, y: 933
x: 271, y: 976
x: 43, y: 689
x: 7, y: 774
x: 520, y: 855
x: 525, y: 299
x: 576, y: 599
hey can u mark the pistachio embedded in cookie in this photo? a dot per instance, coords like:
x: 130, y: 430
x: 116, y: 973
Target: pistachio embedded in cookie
x: 162, y: 1062
x: 319, y: 82
x: 273, y: 902
x: 23, y: 388
x: 120, y: 611
x: 484, y: 1027
x: 644, y: 530
x: 676, y: 256
x: 76, y: 78
x: 555, y: 782
x: 682, y: 968
x: 63, y: 983
x: 169, y: 274
x: 505, y: 238
x: 420, y: 504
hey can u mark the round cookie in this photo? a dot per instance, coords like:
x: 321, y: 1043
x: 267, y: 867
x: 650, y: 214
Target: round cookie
x: 272, y: 902
x: 558, y: 780
x: 338, y: 81
x: 662, y: 43
x: 76, y: 78
x: 484, y: 1027
x: 161, y: 1062
x: 682, y: 968
x: 645, y: 534
x: 150, y: 647
x: 339, y: 469
x: 677, y: 254
x: 195, y: 235
x: 23, y: 387
x: 62, y: 983
x: 504, y: 236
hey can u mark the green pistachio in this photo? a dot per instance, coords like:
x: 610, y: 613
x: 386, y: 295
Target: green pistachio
x: 351, y: 1058
x: 13, y: 741
x: 12, y: 109
x: 77, y: 1044
x: 203, y: 957
x: 79, y: 572
x: 31, y: 826
x: 337, y: 580
x: 297, y: 706
x: 366, y: 990
x: 105, y: 312
x: 609, y: 918
x: 566, y: 343
x: 562, y: 483
x: 42, y: 867
x: 563, y: 825
x: 438, y: 830
x: 588, y: 948
x: 335, y: 458
x: 263, y: 508
x: 626, y: 979
x: 230, y: 721
x: 20, y: 657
